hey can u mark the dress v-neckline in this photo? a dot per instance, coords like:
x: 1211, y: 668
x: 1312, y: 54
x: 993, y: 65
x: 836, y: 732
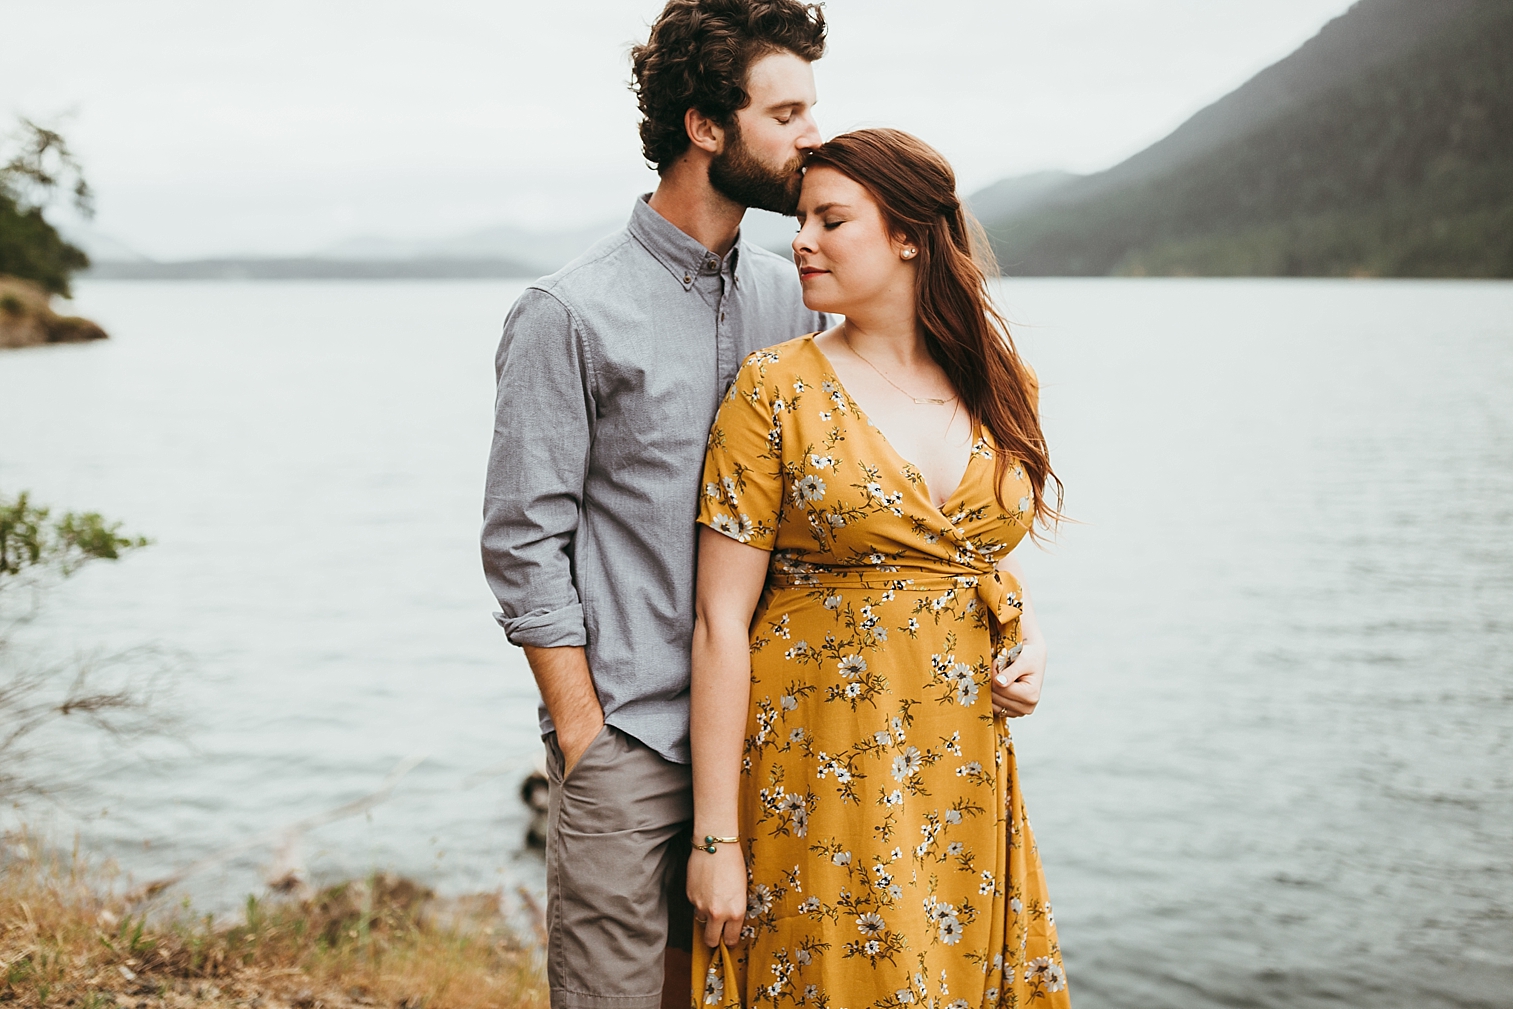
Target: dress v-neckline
x: 924, y: 485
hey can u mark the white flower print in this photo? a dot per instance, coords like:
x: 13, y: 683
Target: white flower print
x: 953, y: 816
x: 830, y: 766
x: 841, y: 858
x: 852, y: 666
x: 872, y: 947
x: 759, y: 901
x: 882, y: 738
x: 1045, y: 972
x: 871, y: 923
x: 714, y: 987
x: 1016, y: 905
x: 895, y: 798
x: 950, y: 929
x: 788, y: 702
x: 906, y: 764
x: 808, y: 490
x: 802, y: 957
x: 833, y: 602
x: 968, y: 769
x: 904, y: 995
x: 730, y: 527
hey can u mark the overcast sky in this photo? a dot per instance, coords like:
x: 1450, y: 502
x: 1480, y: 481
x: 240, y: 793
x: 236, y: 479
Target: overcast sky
x: 280, y: 127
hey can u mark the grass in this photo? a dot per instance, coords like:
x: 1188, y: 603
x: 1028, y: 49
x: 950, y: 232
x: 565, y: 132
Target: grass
x: 67, y: 939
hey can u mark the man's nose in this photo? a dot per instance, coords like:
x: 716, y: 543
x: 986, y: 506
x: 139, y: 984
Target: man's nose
x: 810, y: 137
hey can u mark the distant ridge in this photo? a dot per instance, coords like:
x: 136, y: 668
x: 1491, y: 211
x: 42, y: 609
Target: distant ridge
x: 1383, y: 146
x: 311, y: 268
x: 492, y: 253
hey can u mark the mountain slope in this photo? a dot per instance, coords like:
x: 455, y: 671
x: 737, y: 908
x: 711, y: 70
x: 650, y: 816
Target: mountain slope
x: 1383, y: 146
x: 1007, y: 197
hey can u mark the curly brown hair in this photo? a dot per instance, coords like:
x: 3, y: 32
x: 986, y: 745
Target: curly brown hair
x: 697, y: 58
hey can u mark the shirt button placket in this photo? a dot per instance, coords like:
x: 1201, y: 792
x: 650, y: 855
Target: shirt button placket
x: 725, y: 351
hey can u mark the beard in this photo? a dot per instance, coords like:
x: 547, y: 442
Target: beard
x: 736, y: 174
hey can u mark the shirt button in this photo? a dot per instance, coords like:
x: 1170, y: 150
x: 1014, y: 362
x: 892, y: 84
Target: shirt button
x: 687, y: 278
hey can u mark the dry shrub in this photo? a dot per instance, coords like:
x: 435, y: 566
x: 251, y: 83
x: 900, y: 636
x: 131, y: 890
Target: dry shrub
x: 66, y: 940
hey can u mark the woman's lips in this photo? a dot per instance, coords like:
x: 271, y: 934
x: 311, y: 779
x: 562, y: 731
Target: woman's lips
x: 806, y: 272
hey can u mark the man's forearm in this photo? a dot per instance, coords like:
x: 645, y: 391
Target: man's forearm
x: 566, y: 687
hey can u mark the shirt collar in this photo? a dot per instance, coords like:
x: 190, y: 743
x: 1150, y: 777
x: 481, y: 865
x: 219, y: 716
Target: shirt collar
x: 683, y: 257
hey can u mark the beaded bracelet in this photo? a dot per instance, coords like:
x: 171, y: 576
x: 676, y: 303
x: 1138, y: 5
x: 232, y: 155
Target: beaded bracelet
x: 710, y: 841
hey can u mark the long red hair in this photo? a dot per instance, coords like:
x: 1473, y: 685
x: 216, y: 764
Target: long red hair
x: 916, y: 190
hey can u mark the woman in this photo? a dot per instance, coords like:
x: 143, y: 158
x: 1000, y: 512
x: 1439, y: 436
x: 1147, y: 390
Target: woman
x: 861, y: 632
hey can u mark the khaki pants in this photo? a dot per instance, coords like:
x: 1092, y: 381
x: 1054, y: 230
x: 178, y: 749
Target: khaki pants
x: 616, y: 858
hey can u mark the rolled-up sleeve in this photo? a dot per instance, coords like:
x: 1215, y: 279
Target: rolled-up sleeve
x: 532, y: 501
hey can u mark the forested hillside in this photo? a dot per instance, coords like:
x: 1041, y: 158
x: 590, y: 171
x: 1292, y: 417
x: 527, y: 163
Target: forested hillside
x: 1384, y: 147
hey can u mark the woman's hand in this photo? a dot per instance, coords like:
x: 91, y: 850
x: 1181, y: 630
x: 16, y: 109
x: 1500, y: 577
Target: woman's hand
x: 1016, y: 690
x: 717, y: 890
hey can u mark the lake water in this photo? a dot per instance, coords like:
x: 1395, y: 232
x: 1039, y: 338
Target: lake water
x: 1274, y: 762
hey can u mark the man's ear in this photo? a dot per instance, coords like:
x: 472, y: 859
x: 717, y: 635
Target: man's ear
x: 703, y: 132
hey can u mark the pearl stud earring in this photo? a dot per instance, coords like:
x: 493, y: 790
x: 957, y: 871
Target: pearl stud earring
x: 908, y: 253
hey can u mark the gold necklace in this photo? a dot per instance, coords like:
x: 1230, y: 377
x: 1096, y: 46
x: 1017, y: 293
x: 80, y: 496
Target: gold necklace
x: 918, y: 400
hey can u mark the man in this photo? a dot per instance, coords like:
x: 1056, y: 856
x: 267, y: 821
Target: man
x: 610, y: 371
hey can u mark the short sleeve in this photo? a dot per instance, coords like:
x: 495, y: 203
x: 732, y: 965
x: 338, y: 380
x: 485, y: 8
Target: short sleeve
x: 743, y: 467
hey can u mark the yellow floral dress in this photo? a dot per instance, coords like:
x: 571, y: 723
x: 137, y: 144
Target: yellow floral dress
x: 890, y: 860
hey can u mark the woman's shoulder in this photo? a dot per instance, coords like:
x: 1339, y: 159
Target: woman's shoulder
x: 786, y: 354
x: 777, y: 364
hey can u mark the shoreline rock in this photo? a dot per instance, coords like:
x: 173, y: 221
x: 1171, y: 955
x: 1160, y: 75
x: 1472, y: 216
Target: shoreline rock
x: 27, y: 318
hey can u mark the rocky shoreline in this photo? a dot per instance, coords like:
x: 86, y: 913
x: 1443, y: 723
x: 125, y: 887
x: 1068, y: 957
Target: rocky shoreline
x: 27, y: 318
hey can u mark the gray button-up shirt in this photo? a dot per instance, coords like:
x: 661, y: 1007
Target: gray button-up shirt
x: 610, y: 372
